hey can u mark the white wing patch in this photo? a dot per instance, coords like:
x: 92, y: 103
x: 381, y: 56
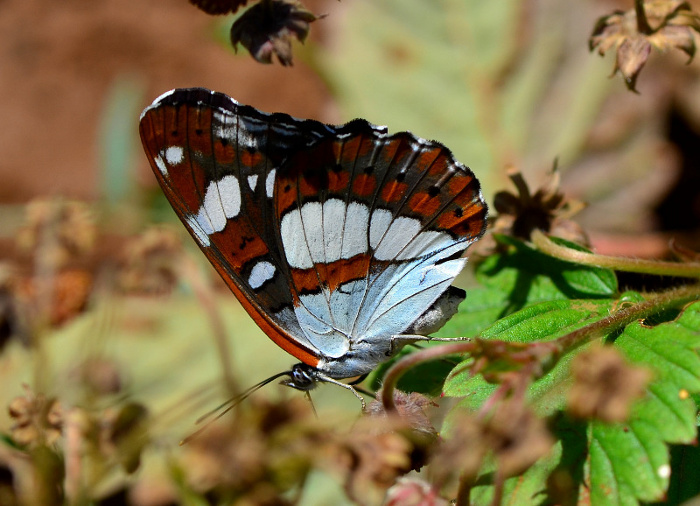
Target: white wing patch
x: 252, y: 181
x: 199, y: 233
x: 174, y: 155
x: 161, y: 165
x: 401, y: 231
x: 355, y: 232
x: 261, y: 272
x: 381, y: 219
x: 270, y: 183
x: 326, y: 233
x: 222, y: 201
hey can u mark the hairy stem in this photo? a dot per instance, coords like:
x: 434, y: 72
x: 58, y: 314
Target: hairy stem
x: 664, y: 300
x: 399, y: 368
x: 546, y: 245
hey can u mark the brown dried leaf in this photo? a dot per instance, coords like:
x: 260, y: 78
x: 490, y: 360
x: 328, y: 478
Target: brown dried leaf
x: 632, y: 54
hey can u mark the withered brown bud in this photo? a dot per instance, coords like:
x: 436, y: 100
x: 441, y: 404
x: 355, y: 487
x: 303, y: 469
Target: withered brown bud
x: 268, y: 28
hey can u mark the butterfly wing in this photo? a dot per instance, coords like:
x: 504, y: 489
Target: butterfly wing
x: 332, y: 238
x: 216, y: 161
x: 373, y: 227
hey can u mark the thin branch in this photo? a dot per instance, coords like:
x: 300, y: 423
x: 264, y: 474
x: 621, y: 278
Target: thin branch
x: 425, y: 355
x: 670, y: 298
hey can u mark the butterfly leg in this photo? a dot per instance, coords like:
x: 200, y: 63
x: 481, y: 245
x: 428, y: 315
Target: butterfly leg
x: 399, y: 341
x: 328, y: 379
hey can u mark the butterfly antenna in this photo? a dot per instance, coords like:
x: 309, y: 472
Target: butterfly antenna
x: 227, y: 406
x: 311, y: 402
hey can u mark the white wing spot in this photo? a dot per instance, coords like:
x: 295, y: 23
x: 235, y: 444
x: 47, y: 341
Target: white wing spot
x: 161, y: 165
x: 174, y: 155
x: 381, y: 219
x: 270, y: 183
x: 252, y: 181
x: 295, y: 248
x: 355, y: 233
x: 261, y: 272
x: 221, y: 201
x: 401, y: 232
x: 247, y: 139
x: 230, y: 194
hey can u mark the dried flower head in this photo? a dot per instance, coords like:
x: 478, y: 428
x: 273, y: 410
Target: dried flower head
x: 460, y: 454
x: 511, y: 433
x: 58, y: 231
x: 521, y: 212
x: 663, y: 24
x: 517, y: 437
x: 372, y: 462
x: 268, y: 28
x: 604, y: 385
x: 410, y: 420
x: 99, y: 376
x: 68, y: 294
x: 150, y: 262
x: 410, y: 409
x: 38, y: 421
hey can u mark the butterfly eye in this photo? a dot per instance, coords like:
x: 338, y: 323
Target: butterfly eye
x: 301, y: 377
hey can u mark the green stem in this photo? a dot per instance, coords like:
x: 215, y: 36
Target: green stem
x: 657, y: 267
x: 642, y: 22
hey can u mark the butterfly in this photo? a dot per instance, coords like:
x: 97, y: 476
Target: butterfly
x: 341, y: 242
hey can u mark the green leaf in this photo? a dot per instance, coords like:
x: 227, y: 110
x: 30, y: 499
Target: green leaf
x: 532, y: 487
x: 541, y: 322
x: 631, y: 462
x: 624, y: 463
x: 520, y: 277
x: 540, y: 277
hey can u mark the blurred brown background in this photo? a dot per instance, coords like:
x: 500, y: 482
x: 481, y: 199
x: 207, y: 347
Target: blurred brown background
x: 634, y: 158
x: 60, y: 60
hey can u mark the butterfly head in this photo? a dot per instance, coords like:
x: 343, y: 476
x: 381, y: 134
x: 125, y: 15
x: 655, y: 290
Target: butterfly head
x: 302, y: 377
